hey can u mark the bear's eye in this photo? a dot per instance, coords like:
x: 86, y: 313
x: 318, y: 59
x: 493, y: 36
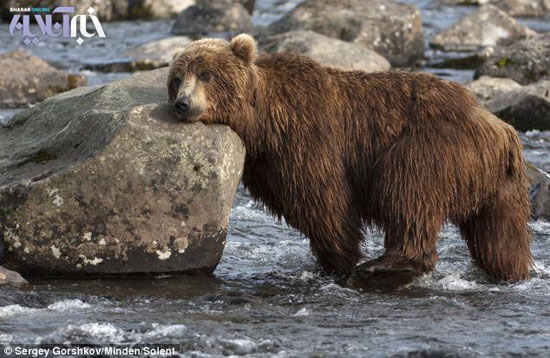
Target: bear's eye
x: 204, y: 76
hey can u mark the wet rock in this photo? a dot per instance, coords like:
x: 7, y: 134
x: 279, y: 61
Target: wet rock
x: 539, y: 190
x: 487, y: 88
x: 27, y: 79
x: 150, y: 56
x: 104, y: 181
x: 487, y: 26
x: 525, y: 62
x: 524, y: 8
x: 211, y: 17
x: 525, y: 108
x: 12, y: 278
x: 157, y: 9
x: 392, y: 29
x: 327, y: 51
x: 106, y: 10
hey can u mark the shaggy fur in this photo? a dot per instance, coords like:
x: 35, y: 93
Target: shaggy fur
x: 330, y: 150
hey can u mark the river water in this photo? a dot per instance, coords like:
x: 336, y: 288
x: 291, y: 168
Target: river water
x: 267, y: 297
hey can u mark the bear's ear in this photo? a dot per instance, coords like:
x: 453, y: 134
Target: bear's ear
x: 244, y: 47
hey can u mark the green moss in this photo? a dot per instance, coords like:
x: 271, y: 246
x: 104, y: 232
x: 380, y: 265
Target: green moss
x: 504, y: 62
x: 75, y: 81
x: 144, y: 66
x: 140, y: 12
x: 468, y: 3
x: 469, y: 62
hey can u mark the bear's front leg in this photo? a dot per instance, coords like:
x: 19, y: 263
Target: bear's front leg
x: 333, y: 226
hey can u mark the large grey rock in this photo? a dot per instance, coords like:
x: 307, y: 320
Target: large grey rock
x: 104, y: 181
x: 525, y: 108
x: 158, y: 9
x: 212, y: 17
x: 106, y: 10
x: 487, y: 88
x: 149, y: 56
x: 28, y: 79
x: 392, y: 29
x: 487, y: 26
x: 524, y: 8
x: 525, y: 62
x: 539, y: 190
x: 326, y: 50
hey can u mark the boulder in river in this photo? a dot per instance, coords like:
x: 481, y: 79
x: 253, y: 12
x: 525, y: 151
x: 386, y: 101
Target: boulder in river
x: 12, y: 278
x: 326, y: 50
x: 486, y: 26
x: 106, y: 10
x: 149, y: 56
x: 28, y: 79
x: 157, y: 9
x: 487, y: 88
x: 525, y: 108
x: 539, y: 190
x: 524, y: 8
x: 392, y: 29
x: 105, y: 181
x: 213, y: 17
x: 525, y: 62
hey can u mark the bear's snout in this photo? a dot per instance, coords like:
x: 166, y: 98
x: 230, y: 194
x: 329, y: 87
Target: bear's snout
x: 183, y: 104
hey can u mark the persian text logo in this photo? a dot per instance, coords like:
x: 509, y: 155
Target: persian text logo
x: 75, y: 26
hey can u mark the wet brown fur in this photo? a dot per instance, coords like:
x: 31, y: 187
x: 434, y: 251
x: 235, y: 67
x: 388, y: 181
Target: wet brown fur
x: 330, y: 150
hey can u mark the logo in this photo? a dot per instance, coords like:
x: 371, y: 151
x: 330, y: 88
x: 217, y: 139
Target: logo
x: 71, y: 26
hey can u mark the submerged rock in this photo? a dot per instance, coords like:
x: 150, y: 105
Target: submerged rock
x: 526, y: 108
x: 487, y: 26
x: 539, y: 190
x: 487, y: 88
x: 326, y: 50
x: 211, y: 17
x: 12, y: 278
x: 392, y: 29
x: 525, y: 62
x: 150, y: 56
x: 28, y: 79
x: 104, y: 181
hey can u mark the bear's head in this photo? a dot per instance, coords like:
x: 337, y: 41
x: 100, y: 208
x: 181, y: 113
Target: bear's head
x: 214, y: 81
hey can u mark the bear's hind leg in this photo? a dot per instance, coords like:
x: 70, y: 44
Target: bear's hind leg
x: 498, y: 234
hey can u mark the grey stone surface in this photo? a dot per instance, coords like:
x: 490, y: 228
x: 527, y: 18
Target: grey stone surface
x: 486, y: 26
x: 213, y: 17
x: 392, y: 29
x: 524, y: 8
x: 326, y: 50
x: 539, y: 183
x: 28, y: 79
x: 12, y: 278
x: 158, y: 9
x: 525, y: 62
x: 487, y: 88
x: 525, y: 108
x: 104, y: 181
x: 149, y: 56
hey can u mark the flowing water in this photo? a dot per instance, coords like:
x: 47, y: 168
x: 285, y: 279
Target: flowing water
x: 267, y: 297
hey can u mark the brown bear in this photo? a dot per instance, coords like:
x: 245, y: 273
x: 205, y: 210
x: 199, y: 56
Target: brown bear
x: 331, y: 150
